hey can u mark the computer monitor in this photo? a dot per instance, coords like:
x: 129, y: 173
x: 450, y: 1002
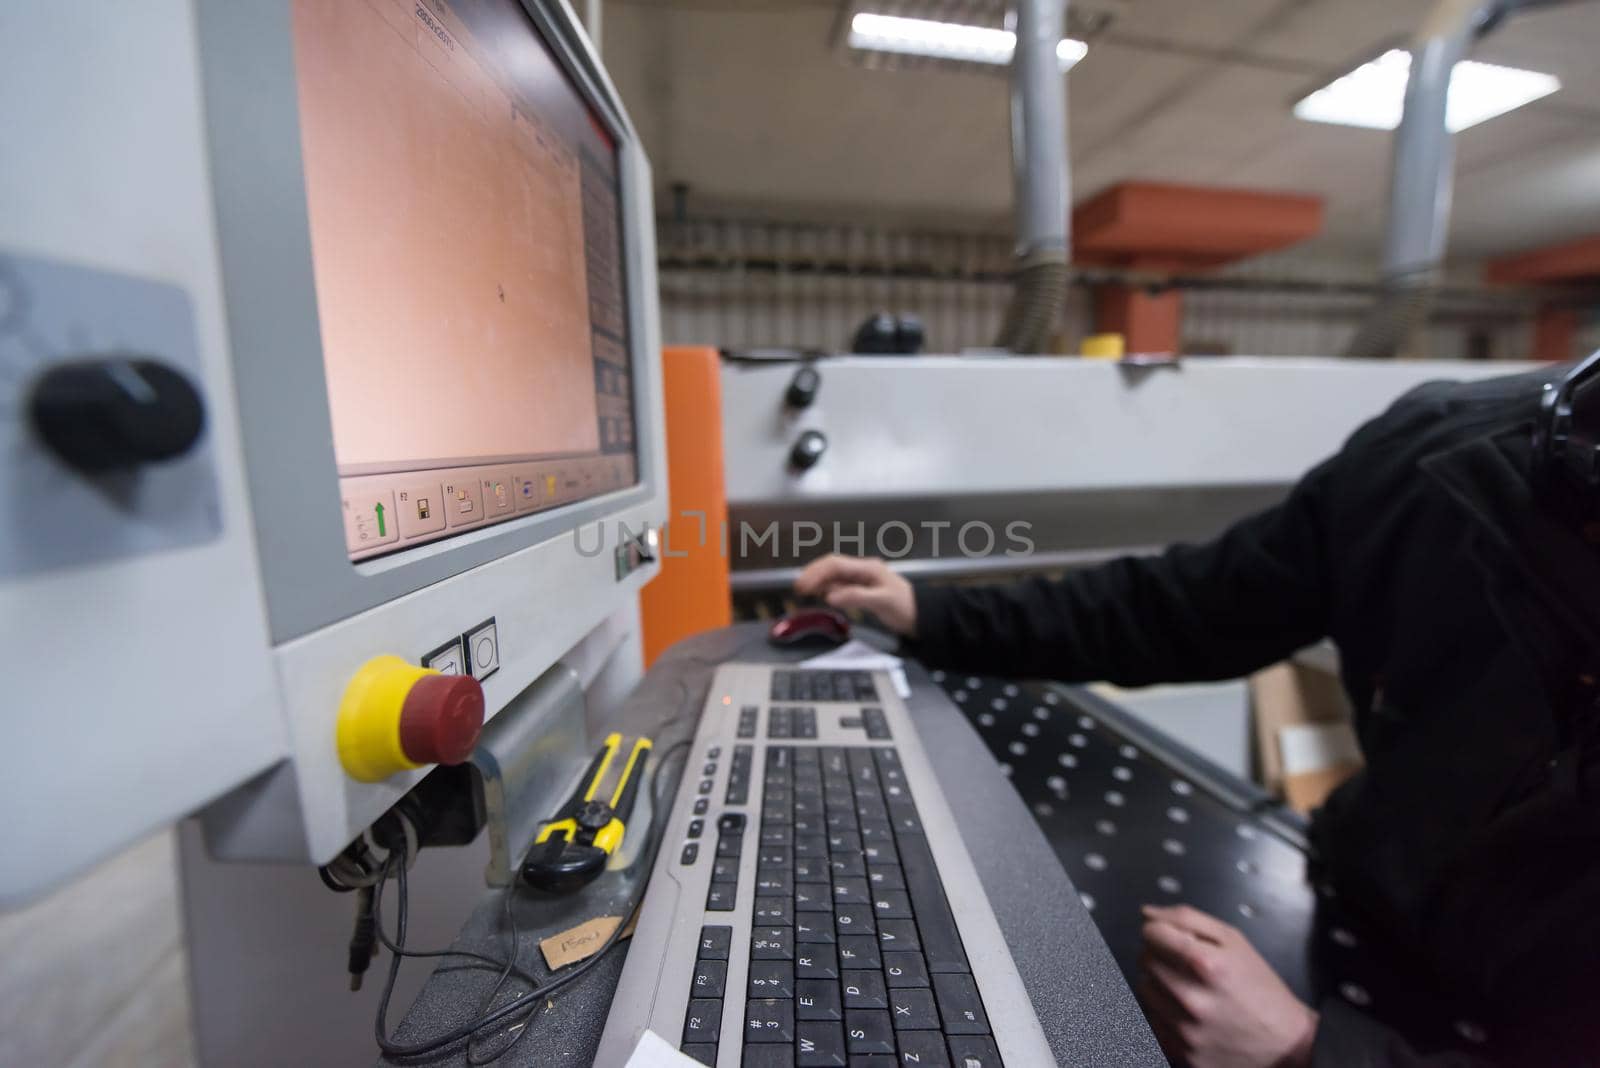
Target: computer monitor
x: 466, y: 241
x: 393, y: 247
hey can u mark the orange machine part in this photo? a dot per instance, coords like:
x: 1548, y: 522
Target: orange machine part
x: 691, y: 594
x: 1161, y: 228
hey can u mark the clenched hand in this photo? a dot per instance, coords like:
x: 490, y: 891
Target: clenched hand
x: 1212, y: 1001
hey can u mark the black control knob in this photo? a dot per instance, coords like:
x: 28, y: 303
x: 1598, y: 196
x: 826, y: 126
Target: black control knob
x: 803, y: 387
x: 115, y: 413
x: 808, y: 449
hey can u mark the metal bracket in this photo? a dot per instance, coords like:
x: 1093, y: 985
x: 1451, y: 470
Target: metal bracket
x: 529, y: 758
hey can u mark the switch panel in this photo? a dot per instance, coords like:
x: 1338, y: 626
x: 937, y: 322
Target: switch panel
x: 483, y: 649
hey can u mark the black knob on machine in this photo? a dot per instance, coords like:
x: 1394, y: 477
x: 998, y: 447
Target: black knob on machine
x: 803, y: 387
x: 808, y: 449
x: 113, y: 413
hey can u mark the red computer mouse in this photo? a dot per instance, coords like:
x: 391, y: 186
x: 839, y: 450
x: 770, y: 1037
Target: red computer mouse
x: 822, y: 626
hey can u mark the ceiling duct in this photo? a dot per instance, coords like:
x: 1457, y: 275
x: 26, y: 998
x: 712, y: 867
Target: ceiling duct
x: 1422, y: 178
x: 1039, y: 171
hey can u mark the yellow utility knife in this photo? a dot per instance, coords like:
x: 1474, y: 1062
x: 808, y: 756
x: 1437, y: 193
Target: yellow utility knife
x: 572, y: 847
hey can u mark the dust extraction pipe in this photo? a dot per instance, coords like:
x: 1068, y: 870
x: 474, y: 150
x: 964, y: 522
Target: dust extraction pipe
x: 1423, y: 176
x: 1039, y: 170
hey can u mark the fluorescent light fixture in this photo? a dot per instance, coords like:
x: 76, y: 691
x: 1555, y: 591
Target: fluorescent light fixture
x: 946, y: 40
x: 1373, y: 95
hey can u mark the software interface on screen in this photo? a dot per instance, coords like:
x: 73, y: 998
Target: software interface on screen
x: 466, y: 241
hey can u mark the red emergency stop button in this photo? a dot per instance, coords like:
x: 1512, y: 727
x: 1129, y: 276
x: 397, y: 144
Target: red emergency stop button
x: 440, y: 719
x: 395, y: 716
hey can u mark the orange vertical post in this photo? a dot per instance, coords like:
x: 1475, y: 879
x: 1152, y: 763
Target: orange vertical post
x: 692, y: 592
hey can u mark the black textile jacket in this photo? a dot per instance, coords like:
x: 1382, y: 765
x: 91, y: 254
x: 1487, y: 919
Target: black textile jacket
x: 1467, y: 614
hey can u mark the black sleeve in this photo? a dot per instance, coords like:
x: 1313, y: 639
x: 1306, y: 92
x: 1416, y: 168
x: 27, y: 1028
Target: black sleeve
x: 1348, y: 1038
x: 1195, y: 612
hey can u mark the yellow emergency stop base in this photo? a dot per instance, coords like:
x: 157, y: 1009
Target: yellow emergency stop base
x: 368, y: 731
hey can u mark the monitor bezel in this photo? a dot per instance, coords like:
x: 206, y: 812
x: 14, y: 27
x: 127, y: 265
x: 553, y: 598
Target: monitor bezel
x: 253, y: 127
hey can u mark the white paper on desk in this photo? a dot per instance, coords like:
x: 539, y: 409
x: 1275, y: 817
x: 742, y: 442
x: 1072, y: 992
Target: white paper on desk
x: 857, y: 655
x: 653, y: 1051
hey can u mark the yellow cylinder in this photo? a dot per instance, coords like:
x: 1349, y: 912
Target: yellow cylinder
x: 1104, y: 347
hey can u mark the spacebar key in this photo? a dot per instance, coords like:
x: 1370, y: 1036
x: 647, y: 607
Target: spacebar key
x: 941, y: 943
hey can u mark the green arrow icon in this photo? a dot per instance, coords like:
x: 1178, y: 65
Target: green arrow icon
x: 381, y: 532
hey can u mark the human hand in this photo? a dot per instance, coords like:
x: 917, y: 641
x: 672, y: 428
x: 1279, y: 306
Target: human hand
x: 1213, y: 1001
x: 847, y: 582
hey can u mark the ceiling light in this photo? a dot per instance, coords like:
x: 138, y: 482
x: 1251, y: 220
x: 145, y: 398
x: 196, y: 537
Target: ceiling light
x: 946, y: 40
x: 1373, y: 95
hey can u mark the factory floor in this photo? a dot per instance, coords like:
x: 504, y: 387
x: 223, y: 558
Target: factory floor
x: 95, y: 974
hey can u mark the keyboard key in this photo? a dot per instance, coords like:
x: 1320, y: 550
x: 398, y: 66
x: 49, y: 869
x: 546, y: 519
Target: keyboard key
x: 772, y: 943
x: 859, y: 951
x: 898, y: 934
x: 880, y: 853
x: 710, y: 976
x: 776, y: 857
x: 974, y: 1052
x: 848, y: 866
x: 715, y: 941
x: 854, y: 919
x: 864, y: 990
x: 817, y: 999
x: 810, y: 870
x: 850, y: 892
x: 696, y: 828
x: 912, y: 1010
x: 700, y: 806
x: 771, y: 979
x: 874, y: 1060
x: 810, y: 845
x: 725, y: 870
x: 703, y: 1022
x: 844, y: 842
x: 891, y: 905
x: 923, y: 1049
x: 730, y: 845
x: 814, y: 927
x: 766, y: 1056
x: 704, y: 1052
x: 704, y: 787
x: 779, y: 836
x: 816, y: 962
x: 905, y: 969
x: 691, y: 853
x: 868, y: 1031
x: 772, y: 880
x: 905, y: 819
x: 885, y: 877
x: 818, y: 1044
x: 720, y: 898
x: 941, y: 943
x: 768, y: 1020
x: 959, y: 1005
x: 813, y: 897
x: 773, y: 911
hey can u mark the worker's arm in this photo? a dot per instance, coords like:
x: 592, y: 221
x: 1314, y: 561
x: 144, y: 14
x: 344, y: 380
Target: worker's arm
x: 1214, y: 611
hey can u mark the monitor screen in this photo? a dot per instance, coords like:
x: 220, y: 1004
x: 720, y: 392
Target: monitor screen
x: 467, y: 246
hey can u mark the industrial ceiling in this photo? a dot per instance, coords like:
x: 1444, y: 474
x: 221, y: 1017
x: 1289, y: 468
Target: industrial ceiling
x: 757, y: 107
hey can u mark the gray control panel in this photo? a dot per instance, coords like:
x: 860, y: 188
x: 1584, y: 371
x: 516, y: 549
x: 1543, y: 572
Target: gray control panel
x: 103, y: 447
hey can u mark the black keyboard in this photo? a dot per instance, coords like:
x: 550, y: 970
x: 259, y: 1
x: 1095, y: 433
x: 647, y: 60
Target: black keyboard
x: 854, y: 956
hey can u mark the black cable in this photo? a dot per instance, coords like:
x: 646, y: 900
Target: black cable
x: 533, y: 997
